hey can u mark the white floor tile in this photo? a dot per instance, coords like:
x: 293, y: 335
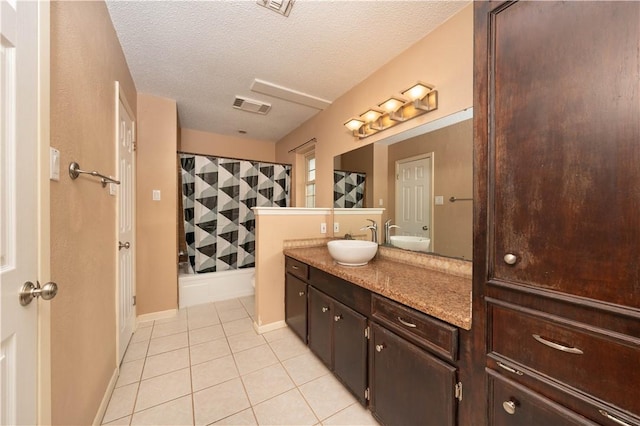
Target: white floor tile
x: 267, y: 383
x: 141, y: 335
x: 304, y: 368
x: 243, y: 325
x: 242, y: 418
x: 130, y: 372
x: 121, y: 403
x: 163, y: 388
x: 201, y: 321
x: 228, y: 305
x: 144, y: 324
x: 168, y: 343
x: 124, y: 421
x: 255, y: 359
x: 232, y: 315
x: 209, y: 350
x: 288, y: 408
x: 326, y: 396
x: 288, y: 347
x: 167, y: 329
x: 278, y: 334
x: 166, y: 362
x: 213, y: 372
x: 203, y: 309
x: 136, y: 351
x: 205, y: 334
x: 244, y: 341
x: 355, y: 414
x: 220, y: 401
x: 178, y: 412
x: 180, y: 314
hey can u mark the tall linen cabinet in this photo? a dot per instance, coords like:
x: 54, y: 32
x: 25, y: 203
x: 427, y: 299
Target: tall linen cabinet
x: 556, y: 312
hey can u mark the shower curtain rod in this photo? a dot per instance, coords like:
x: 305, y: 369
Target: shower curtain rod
x: 301, y: 145
x: 233, y: 158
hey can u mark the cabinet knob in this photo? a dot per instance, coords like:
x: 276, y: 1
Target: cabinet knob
x: 325, y: 309
x: 301, y: 293
x: 510, y: 259
x: 509, y: 407
x: 380, y: 347
x: 337, y: 318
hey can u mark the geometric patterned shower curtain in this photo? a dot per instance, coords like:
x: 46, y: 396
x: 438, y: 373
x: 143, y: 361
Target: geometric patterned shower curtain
x: 217, y: 197
x: 348, y: 189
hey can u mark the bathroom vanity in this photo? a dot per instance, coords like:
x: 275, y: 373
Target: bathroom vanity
x: 396, y: 335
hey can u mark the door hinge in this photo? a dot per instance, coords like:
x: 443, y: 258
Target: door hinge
x: 366, y: 332
x: 134, y: 301
x: 458, y: 393
x: 366, y: 394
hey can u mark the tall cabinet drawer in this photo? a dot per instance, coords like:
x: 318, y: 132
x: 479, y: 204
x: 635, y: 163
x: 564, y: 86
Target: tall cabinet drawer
x: 297, y: 268
x: 570, y: 352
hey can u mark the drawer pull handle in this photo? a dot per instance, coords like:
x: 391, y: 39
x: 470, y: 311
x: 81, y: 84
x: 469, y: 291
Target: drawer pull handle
x: 408, y: 324
x: 380, y: 347
x: 510, y: 259
x: 337, y: 318
x: 509, y: 407
x: 557, y: 346
x: 294, y: 267
x: 614, y: 419
x: 301, y: 293
x: 509, y: 369
x: 325, y: 309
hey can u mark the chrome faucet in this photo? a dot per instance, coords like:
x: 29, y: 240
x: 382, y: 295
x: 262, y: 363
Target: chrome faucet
x: 374, y: 230
x: 387, y: 231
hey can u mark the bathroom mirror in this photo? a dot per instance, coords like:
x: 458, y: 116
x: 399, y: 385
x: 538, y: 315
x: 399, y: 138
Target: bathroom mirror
x: 443, y: 150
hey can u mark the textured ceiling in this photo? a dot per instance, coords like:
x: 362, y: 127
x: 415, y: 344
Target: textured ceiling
x: 204, y: 53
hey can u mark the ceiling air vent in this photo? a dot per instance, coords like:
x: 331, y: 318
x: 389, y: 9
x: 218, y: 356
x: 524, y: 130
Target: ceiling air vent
x: 251, y: 105
x: 282, y: 7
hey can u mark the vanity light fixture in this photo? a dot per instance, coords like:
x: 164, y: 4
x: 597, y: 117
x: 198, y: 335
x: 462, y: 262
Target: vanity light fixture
x: 415, y: 101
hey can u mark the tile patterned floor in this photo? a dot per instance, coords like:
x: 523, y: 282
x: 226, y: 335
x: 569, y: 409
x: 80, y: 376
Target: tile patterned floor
x: 207, y: 366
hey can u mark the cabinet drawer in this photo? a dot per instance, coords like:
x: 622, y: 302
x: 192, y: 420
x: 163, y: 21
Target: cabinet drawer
x: 513, y: 404
x: 352, y: 295
x: 297, y: 268
x: 599, y: 362
x: 425, y: 331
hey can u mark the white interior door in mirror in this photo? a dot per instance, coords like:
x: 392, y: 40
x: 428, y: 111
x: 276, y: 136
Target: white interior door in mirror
x: 414, y: 177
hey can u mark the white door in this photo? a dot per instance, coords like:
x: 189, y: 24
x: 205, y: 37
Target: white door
x: 413, y: 197
x: 18, y: 208
x: 126, y: 308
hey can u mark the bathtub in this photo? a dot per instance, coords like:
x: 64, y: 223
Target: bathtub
x: 195, y: 289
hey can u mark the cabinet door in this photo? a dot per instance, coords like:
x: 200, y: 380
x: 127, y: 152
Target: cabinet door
x: 320, y: 319
x: 295, y: 306
x: 350, y: 349
x: 514, y: 404
x: 564, y: 147
x: 408, y: 385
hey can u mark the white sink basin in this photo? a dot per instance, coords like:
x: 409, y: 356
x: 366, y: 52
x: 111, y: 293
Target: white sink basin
x: 352, y: 252
x: 411, y: 243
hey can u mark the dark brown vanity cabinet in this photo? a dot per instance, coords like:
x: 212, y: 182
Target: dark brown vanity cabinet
x: 409, y: 386
x: 557, y: 229
x: 295, y: 303
x: 337, y: 337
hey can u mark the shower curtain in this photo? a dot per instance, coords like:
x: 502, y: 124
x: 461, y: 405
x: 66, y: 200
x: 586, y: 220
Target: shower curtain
x: 217, y: 197
x: 348, y: 189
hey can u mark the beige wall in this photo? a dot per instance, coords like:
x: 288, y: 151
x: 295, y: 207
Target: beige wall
x: 197, y: 142
x: 156, y: 221
x: 444, y: 58
x: 453, y: 176
x: 86, y: 60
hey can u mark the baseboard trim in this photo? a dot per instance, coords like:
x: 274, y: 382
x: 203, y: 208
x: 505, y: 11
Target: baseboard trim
x: 102, y: 409
x: 260, y: 329
x: 156, y: 316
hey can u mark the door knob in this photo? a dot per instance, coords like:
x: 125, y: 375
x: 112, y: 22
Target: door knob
x: 510, y: 259
x: 30, y: 291
x: 337, y: 318
x: 325, y: 309
x: 425, y: 228
x: 122, y: 245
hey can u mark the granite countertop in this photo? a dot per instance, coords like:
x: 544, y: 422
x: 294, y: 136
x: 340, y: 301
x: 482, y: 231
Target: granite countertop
x: 439, y: 294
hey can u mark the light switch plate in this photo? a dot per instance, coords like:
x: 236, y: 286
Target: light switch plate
x: 439, y: 200
x: 323, y: 228
x: 336, y: 227
x: 54, y: 164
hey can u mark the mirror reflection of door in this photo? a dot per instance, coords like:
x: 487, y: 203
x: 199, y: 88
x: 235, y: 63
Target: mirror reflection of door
x: 414, y: 180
